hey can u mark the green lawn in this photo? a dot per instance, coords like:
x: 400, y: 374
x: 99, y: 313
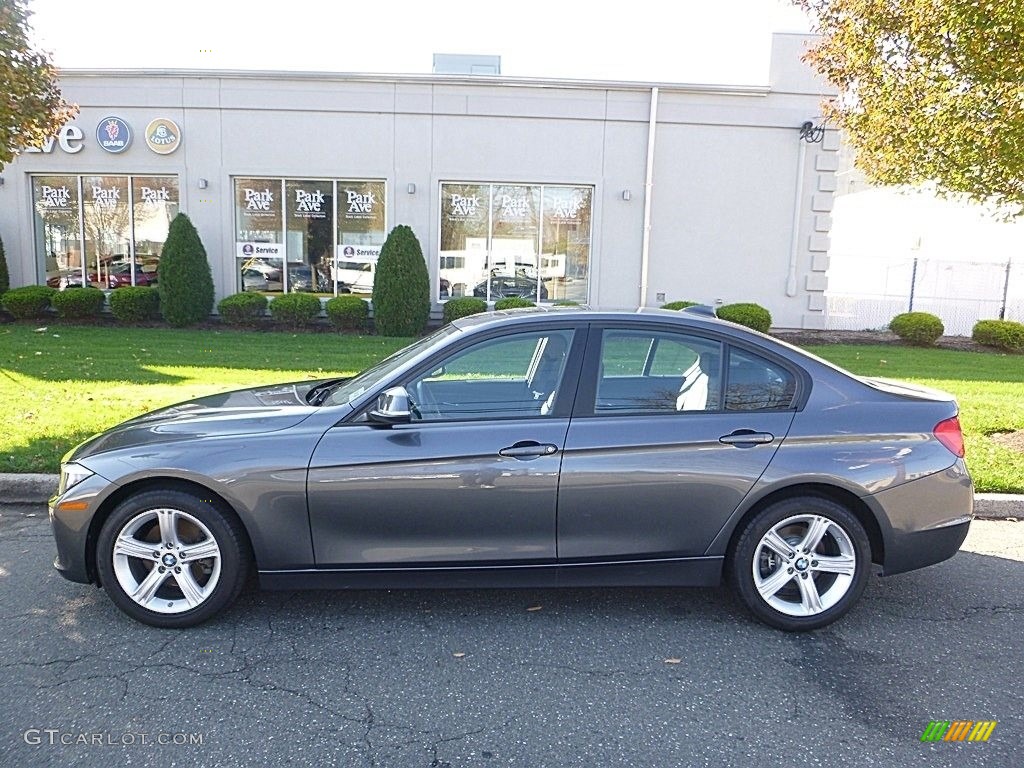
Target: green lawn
x: 63, y: 384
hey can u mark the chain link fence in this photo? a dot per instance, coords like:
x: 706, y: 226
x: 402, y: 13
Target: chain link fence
x: 865, y: 293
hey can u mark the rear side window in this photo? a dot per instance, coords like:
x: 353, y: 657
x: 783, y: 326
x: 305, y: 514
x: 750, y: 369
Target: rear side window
x: 756, y: 384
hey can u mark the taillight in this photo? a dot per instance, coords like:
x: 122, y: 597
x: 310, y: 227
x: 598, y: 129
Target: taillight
x: 948, y: 433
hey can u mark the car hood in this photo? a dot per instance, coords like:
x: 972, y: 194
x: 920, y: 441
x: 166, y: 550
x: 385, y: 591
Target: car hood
x: 245, y: 411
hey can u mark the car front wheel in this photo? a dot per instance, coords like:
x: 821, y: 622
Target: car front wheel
x: 801, y: 563
x: 171, y: 559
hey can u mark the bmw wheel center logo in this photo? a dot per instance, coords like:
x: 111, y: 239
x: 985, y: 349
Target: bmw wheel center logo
x: 113, y: 134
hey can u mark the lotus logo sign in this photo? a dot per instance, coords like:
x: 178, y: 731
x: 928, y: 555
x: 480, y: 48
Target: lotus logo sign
x: 113, y: 135
x: 163, y: 136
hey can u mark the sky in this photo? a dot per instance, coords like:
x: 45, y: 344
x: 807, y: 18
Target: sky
x: 720, y: 42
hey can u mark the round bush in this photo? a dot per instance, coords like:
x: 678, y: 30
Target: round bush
x: 30, y: 301
x: 753, y: 316
x: 78, y: 302
x: 918, y: 328
x: 1002, y: 334
x: 467, y: 305
x: 513, y: 302
x: 677, y: 305
x: 243, y: 308
x: 295, y: 309
x: 349, y: 313
x: 401, y: 286
x: 135, y: 304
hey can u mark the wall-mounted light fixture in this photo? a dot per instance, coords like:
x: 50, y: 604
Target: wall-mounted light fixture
x: 203, y: 183
x: 1, y: 181
x: 410, y: 188
x: 812, y: 133
x: 627, y: 195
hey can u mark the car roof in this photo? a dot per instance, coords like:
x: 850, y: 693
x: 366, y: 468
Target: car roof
x: 694, y: 317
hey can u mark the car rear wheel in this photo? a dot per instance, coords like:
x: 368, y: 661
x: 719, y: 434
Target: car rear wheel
x: 801, y: 563
x: 171, y: 559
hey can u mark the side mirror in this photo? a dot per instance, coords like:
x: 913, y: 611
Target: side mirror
x: 393, y: 407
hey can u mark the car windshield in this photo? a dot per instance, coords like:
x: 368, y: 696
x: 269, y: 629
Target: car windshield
x: 349, y: 390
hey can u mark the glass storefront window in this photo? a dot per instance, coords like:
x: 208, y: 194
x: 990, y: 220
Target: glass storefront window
x: 103, y: 231
x: 465, y: 227
x: 503, y: 240
x: 259, y: 248
x: 154, y: 206
x: 107, y: 225
x: 309, y: 208
x: 361, y: 233
x: 57, y: 229
x: 565, y: 243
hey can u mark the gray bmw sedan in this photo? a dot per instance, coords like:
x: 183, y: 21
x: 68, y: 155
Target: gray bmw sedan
x: 528, y: 448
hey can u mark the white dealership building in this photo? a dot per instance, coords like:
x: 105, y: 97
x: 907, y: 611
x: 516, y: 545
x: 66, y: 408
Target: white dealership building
x: 615, y: 194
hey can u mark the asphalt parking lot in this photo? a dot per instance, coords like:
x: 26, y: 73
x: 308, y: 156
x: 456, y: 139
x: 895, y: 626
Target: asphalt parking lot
x: 651, y: 677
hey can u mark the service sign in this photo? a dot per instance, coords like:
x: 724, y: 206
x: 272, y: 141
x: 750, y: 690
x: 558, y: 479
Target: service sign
x: 359, y: 252
x: 259, y: 250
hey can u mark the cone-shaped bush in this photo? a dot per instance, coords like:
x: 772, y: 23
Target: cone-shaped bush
x: 5, y: 278
x: 186, y: 285
x: 401, y: 287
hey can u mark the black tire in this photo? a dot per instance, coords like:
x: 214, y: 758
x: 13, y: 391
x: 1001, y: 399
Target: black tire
x: 791, y: 607
x: 231, y: 563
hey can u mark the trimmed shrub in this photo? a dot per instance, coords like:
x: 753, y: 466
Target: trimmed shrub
x: 349, y: 313
x: 78, y: 302
x: 5, y: 277
x: 30, y: 301
x: 513, y: 302
x: 463, y: 307
x: 918, y: 328
x: 753, y: 316
x: 566, y: 303
x: 677, y: 305
x: 401, y: 286
x: 295, y: 309
x: 243, y: 308
x: 185, y: 282
x: 135, y: 304
x: 1002, y: 334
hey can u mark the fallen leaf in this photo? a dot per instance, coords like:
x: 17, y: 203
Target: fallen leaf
x: 673, y: 661
x: 458, y: 654
x: 534, y: 608
x: 42, y: 330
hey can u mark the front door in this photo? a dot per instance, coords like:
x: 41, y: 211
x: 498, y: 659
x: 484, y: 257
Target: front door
x: 474, y: 476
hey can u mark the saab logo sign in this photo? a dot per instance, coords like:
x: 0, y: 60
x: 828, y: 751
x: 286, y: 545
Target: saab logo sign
x: 55, y: 197
x: 69, y: 139
x: 464, y: 206
x: 359, y: 252
x: 163, y: 136
x: 259, y: 250
x: 113, y: 134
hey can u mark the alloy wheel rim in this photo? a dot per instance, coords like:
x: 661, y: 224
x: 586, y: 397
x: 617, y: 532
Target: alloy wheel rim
x: 166, y: 560
x: 804, y: 565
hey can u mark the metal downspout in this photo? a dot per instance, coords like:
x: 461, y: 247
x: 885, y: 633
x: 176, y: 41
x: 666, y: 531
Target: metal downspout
x: 645, y: 251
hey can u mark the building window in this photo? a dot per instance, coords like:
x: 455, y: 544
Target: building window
x: 102, y: 231
x: 286, y: 231
x: 502, y: 240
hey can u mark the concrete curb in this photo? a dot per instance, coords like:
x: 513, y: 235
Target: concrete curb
x: 36, y: 489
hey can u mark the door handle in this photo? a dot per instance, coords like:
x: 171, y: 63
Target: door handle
x: 747, y: 438
x: 526, y: 449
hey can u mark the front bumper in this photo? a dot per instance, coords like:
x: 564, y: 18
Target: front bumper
x: 924, y: 521
x: 71, y: 516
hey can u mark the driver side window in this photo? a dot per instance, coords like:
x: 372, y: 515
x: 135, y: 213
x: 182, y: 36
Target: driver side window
x: 514, y: 376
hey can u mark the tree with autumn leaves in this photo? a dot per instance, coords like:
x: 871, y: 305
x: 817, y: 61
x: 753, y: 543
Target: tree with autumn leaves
x: 929, y: 91
x: 31, y: 107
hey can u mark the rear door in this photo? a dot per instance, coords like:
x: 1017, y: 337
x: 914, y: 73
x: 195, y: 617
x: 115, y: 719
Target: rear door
x: 670, y: 431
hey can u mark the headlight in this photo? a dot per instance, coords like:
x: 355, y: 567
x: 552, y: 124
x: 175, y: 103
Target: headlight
x: 71, y: 474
